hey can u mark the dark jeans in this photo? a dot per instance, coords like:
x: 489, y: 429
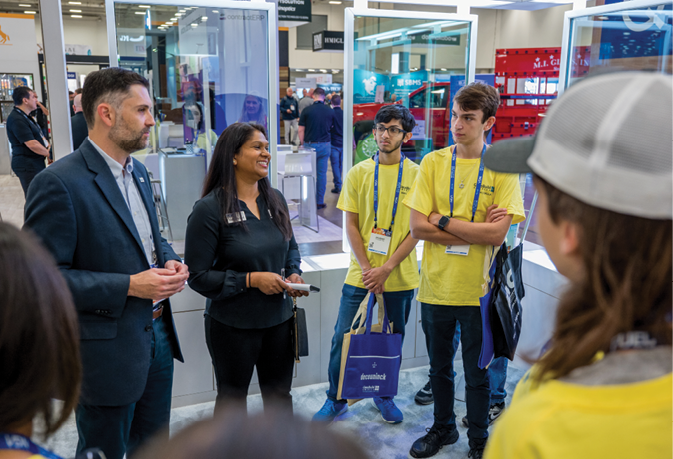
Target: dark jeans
x: 398, y: 305
x: 336, y: 160
x: 497, y: 373
x: 237, y: 351
x: 25, y: 177
x: 119, y: 430
x: 439, y: 324
x: 323, y: 151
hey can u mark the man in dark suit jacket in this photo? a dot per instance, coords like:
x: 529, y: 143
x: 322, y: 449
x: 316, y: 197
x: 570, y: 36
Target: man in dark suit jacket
x: 80, y: 131
x: 95, y: 213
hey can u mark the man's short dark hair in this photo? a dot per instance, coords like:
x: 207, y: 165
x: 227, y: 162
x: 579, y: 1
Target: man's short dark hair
x: 387, y: 113
x: 20, y: 93
x: 110, y: 86
x: 336, y: 101
x: 478, y: 96
x: 320, y: 92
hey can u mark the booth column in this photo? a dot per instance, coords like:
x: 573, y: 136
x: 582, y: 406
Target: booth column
x: 57, y: 82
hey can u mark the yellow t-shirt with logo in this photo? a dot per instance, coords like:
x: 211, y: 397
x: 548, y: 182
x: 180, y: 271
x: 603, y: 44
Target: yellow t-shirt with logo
x: 357, y: 196
x: 457, y: 280
x: 560, y: 420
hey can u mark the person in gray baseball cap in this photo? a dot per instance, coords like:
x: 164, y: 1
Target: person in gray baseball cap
x: 603, y: 165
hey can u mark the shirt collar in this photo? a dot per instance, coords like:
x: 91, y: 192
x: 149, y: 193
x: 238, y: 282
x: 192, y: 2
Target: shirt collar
x: 114, y: 166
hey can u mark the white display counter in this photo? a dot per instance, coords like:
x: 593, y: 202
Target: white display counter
x: 195, y: 382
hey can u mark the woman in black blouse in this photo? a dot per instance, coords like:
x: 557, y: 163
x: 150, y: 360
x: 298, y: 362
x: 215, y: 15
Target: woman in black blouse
x: 239, y: 240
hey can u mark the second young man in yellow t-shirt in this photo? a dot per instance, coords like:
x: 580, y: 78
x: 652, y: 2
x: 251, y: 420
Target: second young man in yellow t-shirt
x: 383, y: 254
x: 453, y: 208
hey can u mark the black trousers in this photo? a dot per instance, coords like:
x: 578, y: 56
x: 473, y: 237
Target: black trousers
x: 25, y: 177
x: 119, y: 430
x: 236, y: 352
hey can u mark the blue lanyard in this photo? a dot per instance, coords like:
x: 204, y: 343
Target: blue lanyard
x: 475, y: 202
x: 376, y: 190
x: 19, y: 442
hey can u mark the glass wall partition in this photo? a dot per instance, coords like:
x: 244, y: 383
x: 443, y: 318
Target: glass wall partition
x: 210, y: 64
x: 634, y: 35
x: 408, y: 58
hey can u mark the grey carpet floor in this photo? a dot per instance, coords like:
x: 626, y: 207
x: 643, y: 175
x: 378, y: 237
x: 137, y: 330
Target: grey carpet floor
x: 362, y: 421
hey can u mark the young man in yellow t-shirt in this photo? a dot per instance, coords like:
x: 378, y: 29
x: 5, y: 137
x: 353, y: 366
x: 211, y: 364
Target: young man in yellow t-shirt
x: 383, y: 254
x: 460, y: 209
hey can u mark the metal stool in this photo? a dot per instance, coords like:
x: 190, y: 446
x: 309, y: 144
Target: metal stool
x: 160, y: 205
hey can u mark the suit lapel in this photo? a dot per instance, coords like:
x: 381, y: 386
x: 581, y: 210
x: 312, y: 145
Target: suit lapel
x: 108, y: 186
x: 147, y: 195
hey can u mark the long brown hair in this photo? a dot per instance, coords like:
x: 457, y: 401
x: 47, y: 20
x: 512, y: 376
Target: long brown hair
x: 626, y: 287
x: 222, y: 177
x: 39, y: 336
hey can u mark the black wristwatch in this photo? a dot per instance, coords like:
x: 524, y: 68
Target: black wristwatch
x: 443, y: 222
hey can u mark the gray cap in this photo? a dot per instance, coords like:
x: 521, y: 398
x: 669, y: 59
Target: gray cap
x: 607, y: 141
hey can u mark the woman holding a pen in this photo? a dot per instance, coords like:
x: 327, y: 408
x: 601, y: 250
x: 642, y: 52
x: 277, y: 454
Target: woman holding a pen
x: 239, y: 247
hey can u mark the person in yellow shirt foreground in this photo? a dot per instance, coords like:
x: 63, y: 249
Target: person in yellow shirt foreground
x: 602, y: 164
x: 383, y: 257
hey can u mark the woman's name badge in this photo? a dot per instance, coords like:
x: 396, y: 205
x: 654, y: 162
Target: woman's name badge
x: 236, y: 217
x: 379, y: 241
x: 458, y: 249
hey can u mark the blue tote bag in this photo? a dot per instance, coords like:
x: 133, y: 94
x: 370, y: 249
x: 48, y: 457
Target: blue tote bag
x: 370, y: 359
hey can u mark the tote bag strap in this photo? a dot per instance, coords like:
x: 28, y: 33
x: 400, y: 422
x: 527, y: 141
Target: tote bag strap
x: 383, y: 314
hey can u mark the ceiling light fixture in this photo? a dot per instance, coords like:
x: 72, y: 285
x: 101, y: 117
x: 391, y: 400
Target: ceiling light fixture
x: 74, y: 3
x: 204, y: 18
x: 24, y: 5
x: 30, y: 12
x: 75, y: 11
x: 76, y: 16
x: 140, y: 12
x: 334, y: 3
x: 143, y: 6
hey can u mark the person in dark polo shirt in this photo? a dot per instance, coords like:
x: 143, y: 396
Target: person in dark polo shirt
x: 337, y: 134
x: 315, y: 124
x: 29, y: 147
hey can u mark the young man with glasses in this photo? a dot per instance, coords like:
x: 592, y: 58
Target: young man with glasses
x: 459, y: 208
x: 383, y: 254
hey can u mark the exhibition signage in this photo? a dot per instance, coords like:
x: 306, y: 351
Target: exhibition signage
x: 328, y: 41
x: 18, y: 45
x: 405, y: 83
x: 428, y: 38
x: 305, y: 82
x: 294, y: 10
x: 320, y: 78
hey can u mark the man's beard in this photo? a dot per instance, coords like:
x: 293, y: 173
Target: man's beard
x: 126, y: 139
x: 391, y: 147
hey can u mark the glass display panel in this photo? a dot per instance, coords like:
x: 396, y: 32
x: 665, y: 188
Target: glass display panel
x: 410, y: 62
x: 630, y: 39
x: 9, y: 82
x: 208, y: 67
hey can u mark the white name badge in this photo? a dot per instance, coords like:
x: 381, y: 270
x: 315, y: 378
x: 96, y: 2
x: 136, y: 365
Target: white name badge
x: 379, y: 241
x: 291, y: 107
x: 462, y: 250
x: 236, y: 217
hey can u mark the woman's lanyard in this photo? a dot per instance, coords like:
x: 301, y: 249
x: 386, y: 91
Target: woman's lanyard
x: 17, y: 442
x: 376, y: 191
x: 475, y: 202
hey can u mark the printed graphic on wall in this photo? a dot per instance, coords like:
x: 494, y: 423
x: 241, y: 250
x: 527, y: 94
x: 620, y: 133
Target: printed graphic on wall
x: 364, y: 85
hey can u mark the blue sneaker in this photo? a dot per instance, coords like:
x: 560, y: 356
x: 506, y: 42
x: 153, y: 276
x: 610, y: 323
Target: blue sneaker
x: 330, y: 410
x: 389, y: 411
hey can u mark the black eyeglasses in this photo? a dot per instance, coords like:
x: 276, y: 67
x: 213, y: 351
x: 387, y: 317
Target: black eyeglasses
x: 392, y: 130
